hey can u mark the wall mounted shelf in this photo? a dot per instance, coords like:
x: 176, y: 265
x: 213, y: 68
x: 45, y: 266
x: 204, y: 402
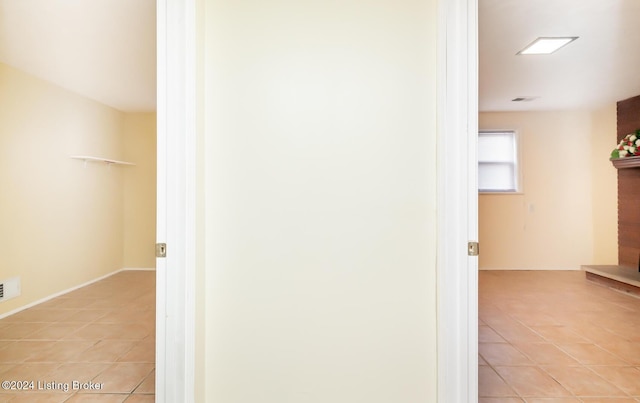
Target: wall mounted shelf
x: 108, y: 161
x: 626, y: 162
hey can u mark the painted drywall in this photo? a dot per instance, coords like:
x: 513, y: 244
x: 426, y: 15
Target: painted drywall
x: 320, y: 201
x: 565, y: 215
x: 139, y: 135
x: 604, y: 190
x: 61, y: 220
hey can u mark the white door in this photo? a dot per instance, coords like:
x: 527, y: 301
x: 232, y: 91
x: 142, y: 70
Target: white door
x: 175, y: 273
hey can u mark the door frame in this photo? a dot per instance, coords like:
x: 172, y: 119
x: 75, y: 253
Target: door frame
x: 457, y: 284
x: 176, y: 200
x: 457, y: 272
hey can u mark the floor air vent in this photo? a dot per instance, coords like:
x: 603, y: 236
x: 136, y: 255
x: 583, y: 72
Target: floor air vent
x: 9, y: 288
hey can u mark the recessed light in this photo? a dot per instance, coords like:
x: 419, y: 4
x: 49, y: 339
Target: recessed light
x: 546, y: 45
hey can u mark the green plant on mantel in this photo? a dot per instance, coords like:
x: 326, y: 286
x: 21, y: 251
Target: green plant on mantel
x: 629, y: 146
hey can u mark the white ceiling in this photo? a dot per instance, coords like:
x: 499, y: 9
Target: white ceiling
x: 102, y: 49
x: 600, y: 68
x: 106, y: 50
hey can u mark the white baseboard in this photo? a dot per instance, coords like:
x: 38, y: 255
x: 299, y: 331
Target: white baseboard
x: 68, y: 290
x: 530, y: 268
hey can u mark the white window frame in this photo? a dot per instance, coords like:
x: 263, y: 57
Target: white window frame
x: 517, y: 164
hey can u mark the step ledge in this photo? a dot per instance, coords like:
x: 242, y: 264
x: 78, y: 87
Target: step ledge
x: 621, y: 278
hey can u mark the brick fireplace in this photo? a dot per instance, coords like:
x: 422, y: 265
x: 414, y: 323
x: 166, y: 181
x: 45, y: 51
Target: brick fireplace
x: 626, y: 275
x: 628, y: 118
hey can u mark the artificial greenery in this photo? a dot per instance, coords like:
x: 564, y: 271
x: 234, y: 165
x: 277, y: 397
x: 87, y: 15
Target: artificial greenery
x: 629, y: 146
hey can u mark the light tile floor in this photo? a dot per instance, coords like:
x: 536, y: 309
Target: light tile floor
x: 103, y: 333
x: 554, y: 337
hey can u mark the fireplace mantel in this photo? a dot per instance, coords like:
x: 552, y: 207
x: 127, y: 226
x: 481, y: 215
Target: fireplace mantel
x: 626, y: 162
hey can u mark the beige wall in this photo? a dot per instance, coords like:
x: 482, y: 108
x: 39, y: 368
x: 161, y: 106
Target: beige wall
x: 62, y: 222
x: 566, y: 214
x: 604, y: 189
x: 140, y: 190
x: 320, y: 201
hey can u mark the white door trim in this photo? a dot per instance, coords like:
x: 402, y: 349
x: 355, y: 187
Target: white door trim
x: 457, y: 198
x: 176, y: 201
x: 457, y: 202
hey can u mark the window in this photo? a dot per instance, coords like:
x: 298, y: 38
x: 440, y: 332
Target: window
x: 498, y: 162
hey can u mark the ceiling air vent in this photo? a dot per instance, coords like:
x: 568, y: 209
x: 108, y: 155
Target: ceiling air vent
x: 1, y: 291
x: 523, y: 99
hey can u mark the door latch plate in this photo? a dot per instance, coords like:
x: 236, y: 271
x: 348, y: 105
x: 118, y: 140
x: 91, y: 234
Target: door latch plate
x: 474, y: 248
x: 161, y: 250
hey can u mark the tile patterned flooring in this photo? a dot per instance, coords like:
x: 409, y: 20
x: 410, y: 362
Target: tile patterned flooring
x: 554, y: 337
x: 103, y: 333
x: 544, y: 336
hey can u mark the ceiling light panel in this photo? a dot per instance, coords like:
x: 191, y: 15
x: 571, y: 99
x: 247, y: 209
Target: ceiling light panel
x: 546, y: 45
